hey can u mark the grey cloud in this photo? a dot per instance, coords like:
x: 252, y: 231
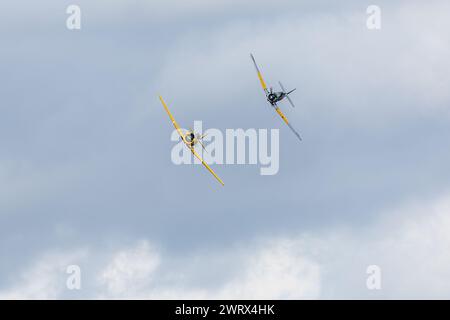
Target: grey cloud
x: 85, y: 157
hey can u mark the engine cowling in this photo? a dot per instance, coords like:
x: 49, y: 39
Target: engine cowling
x: 189, y: 137
x: 272, y: 97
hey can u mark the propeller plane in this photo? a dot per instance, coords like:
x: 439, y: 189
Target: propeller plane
x: 190, y: 139
x: 274, y: 97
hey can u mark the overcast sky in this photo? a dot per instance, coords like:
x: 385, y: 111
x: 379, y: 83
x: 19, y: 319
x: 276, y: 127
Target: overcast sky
x: 86, y: 176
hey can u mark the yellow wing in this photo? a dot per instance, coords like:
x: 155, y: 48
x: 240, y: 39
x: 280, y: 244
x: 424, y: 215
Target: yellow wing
x: 206, y: 166
x: 175, y: 124
x: 281, y: 114
x: 263, y: 84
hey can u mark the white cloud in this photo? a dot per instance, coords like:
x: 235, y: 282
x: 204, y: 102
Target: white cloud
x: 129, y: 271
x: 410, y: 244
x: 45, y: 279
x: 414, y: 249
x: 275, y: 271
x: 278, y: 271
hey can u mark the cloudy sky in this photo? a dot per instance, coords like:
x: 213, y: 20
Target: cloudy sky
x: 86, y: 176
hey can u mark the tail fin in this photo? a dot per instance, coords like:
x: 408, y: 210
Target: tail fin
x: 287, y: 94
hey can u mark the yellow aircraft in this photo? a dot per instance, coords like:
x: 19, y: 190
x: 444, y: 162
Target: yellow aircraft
x: 190, y: 139
x: 274, y: 97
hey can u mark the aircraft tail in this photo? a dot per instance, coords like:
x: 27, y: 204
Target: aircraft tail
x: 291, y: 91
x: 287, y: 93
